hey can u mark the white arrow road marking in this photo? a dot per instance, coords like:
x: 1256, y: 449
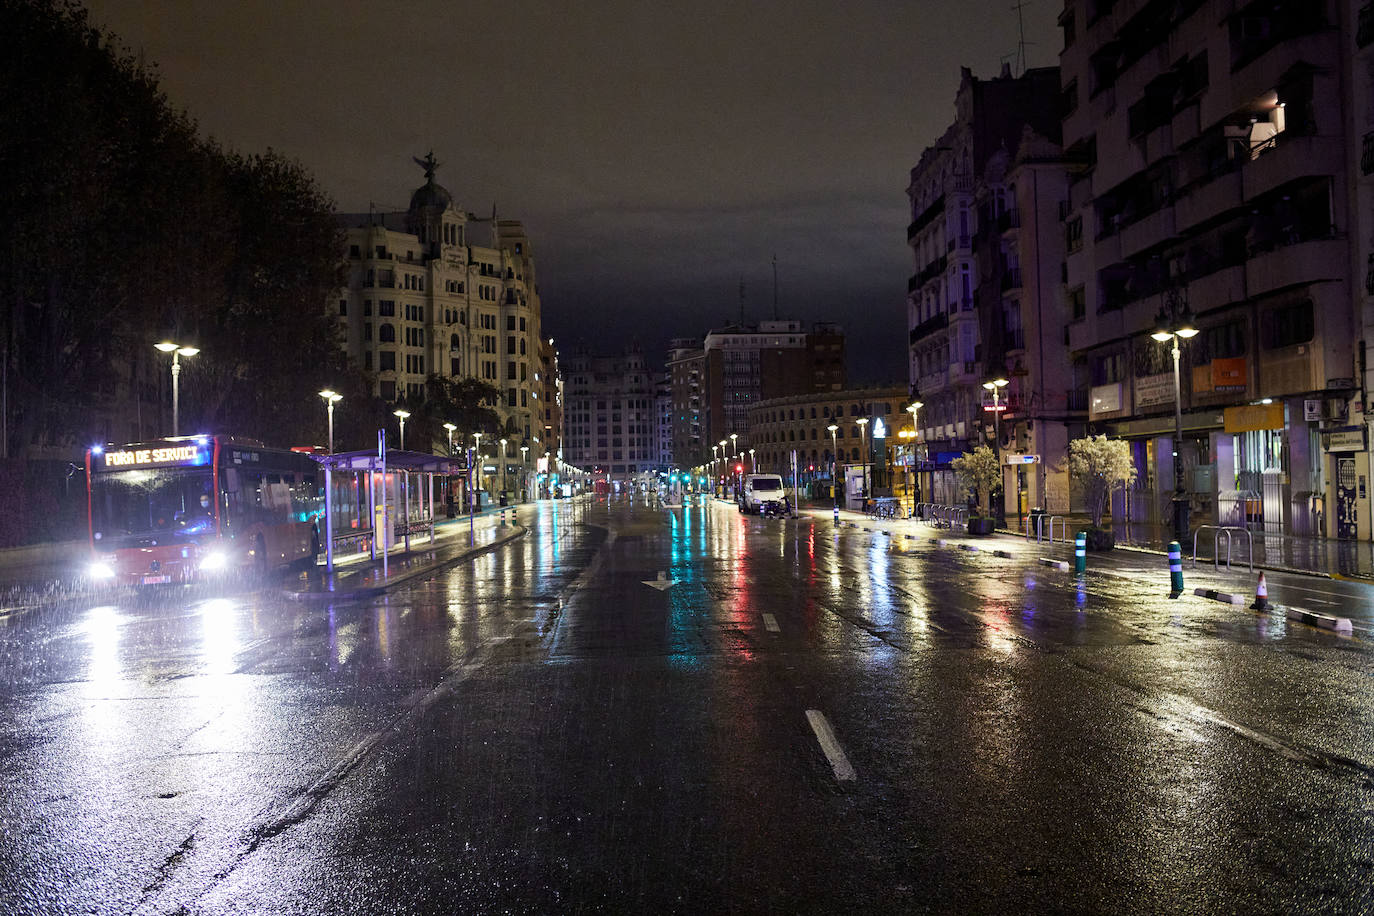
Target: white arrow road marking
x: 771, y: 623
x: 833, y: 752
x: 661, y: 583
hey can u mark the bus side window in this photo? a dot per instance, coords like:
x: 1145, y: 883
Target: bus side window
x: 233, y: 505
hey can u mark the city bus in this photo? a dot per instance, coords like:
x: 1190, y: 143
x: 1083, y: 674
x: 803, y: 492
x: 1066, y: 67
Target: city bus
x: 176, y: 510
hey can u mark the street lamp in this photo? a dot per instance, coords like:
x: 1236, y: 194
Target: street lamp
x: 863, y: 451
x: 725, y: 459
x: 402, y: 414
x: 330, y: 397
x: 753, y: 465
x: 449, y: 428
x: 996, y: 386
x: 914, y: 409
x: 524, y: 471
x: 834, y: 469
x: 1177, y: 323
x: 177, y: 351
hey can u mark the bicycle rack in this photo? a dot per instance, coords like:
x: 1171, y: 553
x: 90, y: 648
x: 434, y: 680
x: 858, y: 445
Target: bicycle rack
x: 1216, y: 544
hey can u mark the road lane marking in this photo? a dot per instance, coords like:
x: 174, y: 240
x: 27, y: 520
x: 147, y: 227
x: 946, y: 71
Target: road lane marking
x: 829, y: 746
x: 771, y: 623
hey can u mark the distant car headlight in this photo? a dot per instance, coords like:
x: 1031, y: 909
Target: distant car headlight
x: 100, y: 570
x: 213, y: 561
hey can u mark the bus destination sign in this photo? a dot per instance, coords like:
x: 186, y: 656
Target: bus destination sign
x: 191, y: 455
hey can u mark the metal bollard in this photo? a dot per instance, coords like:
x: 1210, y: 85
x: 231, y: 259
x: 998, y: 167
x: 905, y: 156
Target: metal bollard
x: 1080, y: 552
x: 837, y: 515
x: 1175, y: 569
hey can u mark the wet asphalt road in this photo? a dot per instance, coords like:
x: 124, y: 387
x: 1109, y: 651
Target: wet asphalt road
x: 805, y: 720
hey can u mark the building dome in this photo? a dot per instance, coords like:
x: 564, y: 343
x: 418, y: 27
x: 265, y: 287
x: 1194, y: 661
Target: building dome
x: 431, y: 194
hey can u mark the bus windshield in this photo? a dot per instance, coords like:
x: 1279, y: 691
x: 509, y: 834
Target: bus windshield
x: 171, y: 502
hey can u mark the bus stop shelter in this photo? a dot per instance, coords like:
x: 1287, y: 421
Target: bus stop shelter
x: 373, y: 465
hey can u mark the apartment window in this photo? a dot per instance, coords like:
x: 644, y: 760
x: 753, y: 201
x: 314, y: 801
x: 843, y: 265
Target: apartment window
x: 367, y: 360
x: 386, y: 361
x: 1288, y: 325
x: 1108, y: 369
x: 343, y: 306
x: 386, y: 333
x: 510, y: 346
x: 367, y: 330
x: 388, y: 391
x: 1078, y: 303
x: 386, y: 308
x: 1073, y: 234
x: 510, y: 322
x: 367, y: 308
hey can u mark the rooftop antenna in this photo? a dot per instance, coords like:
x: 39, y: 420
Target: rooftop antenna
x: 1018, y: 6
x: 775, y: 287
x: 741, y: 301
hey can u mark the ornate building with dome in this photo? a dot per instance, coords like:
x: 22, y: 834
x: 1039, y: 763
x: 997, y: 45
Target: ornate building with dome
x: 436, y: 290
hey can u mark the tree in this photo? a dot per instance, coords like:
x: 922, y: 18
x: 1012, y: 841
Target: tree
x: 1099, y: 465
x: 467, y: 403
x: 978, y: 471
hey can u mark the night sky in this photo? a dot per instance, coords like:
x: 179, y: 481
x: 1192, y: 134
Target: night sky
x: 657, y: 158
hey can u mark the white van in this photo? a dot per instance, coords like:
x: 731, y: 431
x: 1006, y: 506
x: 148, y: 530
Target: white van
x: 760, y: 488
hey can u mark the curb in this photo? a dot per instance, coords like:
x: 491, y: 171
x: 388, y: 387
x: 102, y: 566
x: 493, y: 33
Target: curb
x: 1223, y: 597
x: 1324, y: 621
x: 374, y: 590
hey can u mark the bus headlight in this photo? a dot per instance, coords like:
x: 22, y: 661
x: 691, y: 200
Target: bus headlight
x: 213, y: 561
x: 100, y: 569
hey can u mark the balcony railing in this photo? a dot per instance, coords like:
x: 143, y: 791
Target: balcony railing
x: 929, y: 326
x: 1076, y: 399
x: 1011, y: 279
x: 1010, y: 219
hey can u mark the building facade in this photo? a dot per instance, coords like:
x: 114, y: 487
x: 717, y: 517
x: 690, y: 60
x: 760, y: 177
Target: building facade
x: 1210, y: 182
x: 438, y: 291
x: 609, y: 413
x: 968, y: 304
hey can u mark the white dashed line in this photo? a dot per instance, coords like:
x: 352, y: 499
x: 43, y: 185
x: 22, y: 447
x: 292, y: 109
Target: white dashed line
x: 833, y: 752
x: 771, y: 623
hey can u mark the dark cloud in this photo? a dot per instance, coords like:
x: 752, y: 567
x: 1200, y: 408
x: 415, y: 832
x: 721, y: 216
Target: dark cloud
x: 656, y: 155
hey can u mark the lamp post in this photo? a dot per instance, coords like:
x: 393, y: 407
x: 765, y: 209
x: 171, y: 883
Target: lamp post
x: 834, y: 470
x: 503, y: 468
x: 177, y: 351
x: 914, y: 409
x: 996, y: 386
x: 1170, y: 325
x: 524, y: 471
x: 402, y: 414
x: 330, y: 398
x: 753, y: 465
x: 477, y: 470
x: 724, y: 465
x: 449, y: 428
x: 863, y: 452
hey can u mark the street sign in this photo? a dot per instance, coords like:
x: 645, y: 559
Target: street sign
x: 1021, y: 459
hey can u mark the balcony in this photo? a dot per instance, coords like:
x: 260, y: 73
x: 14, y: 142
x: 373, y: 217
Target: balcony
x: 1009, y: 219
x: 1011, y: 279
x: 1076, y: 400
x: 929, y: 326
x: 1147, y: 231
x: 1201, y: 202
x: 1291, y: 156
x: 1303, y: 261
x: 1014, y: 338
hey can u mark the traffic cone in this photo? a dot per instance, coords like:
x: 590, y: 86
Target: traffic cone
x: 1261, y: 596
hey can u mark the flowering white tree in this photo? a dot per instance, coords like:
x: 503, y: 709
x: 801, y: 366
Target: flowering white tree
x: 979, y: 471
x: 1100, y: 465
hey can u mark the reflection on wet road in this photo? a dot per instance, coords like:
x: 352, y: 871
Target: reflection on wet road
x: 638, y: 707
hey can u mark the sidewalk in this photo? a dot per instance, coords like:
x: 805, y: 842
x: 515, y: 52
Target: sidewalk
x: 1284, y: 553
x: 454, y: 540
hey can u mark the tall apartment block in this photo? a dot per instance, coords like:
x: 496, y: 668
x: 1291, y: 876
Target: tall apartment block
x: 1211, y: 182
x: 984, y: 301
x: 610, y: 426
x: 436, y: 290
